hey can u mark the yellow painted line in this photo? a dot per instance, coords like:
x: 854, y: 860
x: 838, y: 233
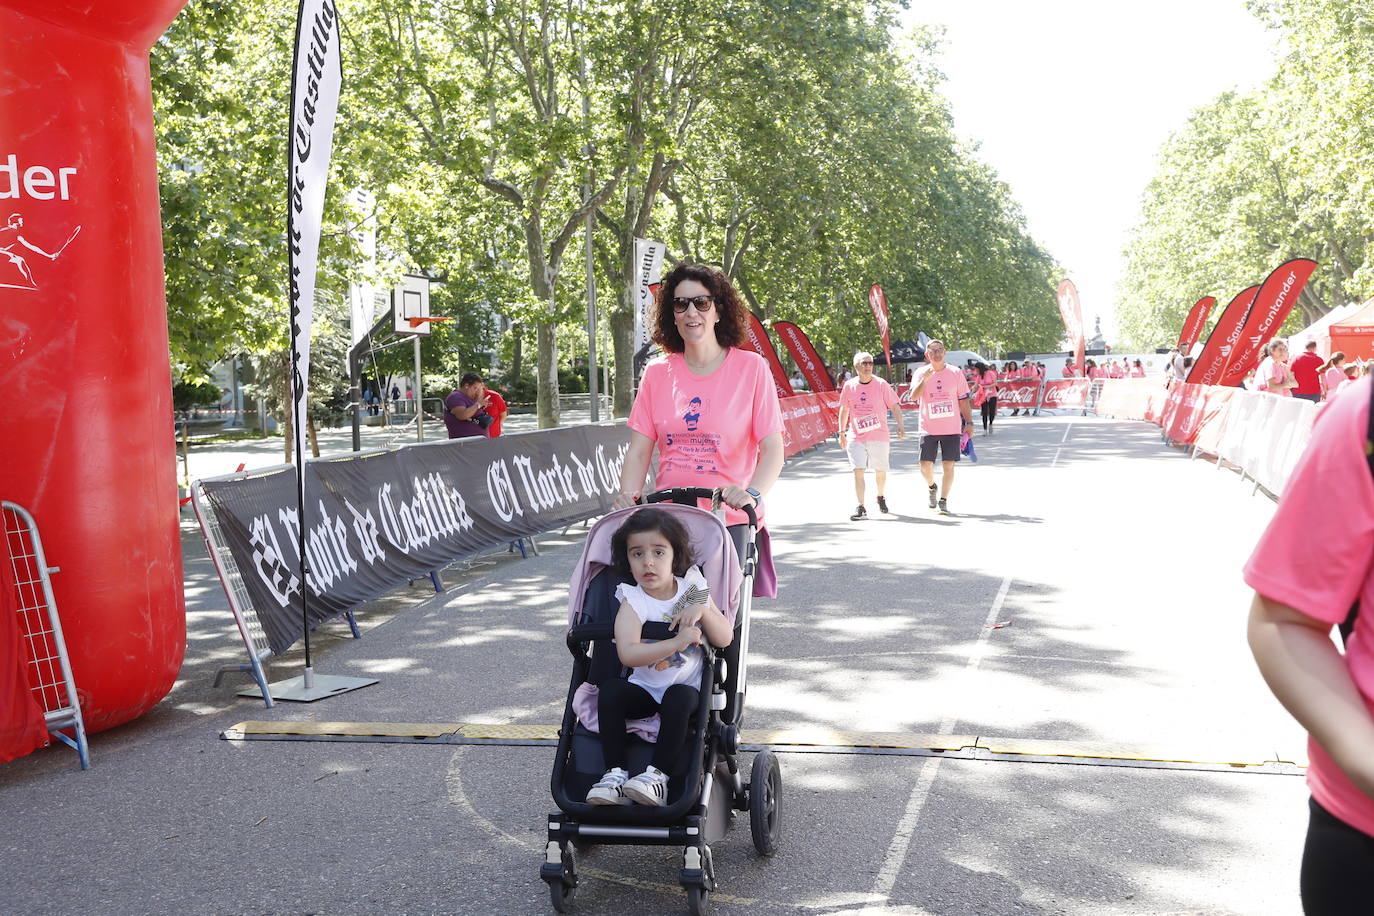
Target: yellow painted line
x: 824, y: 737
x: 1228, y: 755
x: 511, y: 732
x: 349, y: 729
x: 813, y: 736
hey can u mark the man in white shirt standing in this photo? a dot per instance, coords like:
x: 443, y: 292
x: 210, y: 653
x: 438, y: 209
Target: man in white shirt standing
x: 864, y: 403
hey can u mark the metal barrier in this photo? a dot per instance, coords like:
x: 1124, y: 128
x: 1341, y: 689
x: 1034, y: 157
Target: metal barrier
x: 50, y: 671
x: 240, y: 604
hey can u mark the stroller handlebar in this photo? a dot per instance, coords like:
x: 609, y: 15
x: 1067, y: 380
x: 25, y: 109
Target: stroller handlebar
x: 689, y: 496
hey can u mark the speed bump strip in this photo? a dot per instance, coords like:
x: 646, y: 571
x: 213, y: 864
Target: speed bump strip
x: 814, y: 738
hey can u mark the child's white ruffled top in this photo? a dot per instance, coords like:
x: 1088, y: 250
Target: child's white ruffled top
x: 680, y: 667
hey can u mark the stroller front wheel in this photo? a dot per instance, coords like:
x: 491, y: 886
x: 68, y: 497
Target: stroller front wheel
x: 765, y: 791
x: 698, y: 901
x: 561, y: 896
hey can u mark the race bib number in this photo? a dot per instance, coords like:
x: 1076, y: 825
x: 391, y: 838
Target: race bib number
x: 941, y: 409
x: 867, y: 424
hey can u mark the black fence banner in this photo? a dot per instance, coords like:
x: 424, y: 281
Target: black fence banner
x: 379, y: 519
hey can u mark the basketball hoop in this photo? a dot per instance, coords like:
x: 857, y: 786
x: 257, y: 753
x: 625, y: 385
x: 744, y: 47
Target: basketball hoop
x: 417, y: 322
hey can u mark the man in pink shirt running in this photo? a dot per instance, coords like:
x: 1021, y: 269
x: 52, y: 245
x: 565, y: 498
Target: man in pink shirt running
x: 946, y: 412
x: 864, y: 403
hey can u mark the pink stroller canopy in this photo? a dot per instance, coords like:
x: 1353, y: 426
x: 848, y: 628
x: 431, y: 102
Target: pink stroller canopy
x: 712, y: 550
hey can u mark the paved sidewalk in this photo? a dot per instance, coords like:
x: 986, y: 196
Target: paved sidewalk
x: 1111, y: 559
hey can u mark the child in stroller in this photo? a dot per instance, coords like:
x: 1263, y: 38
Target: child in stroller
x: 705, y: 782
x: 652, y: 548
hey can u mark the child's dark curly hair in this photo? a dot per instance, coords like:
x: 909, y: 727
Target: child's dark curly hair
x: 651, y: 520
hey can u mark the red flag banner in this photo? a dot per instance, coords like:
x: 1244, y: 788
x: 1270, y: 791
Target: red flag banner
x: 1072, y: 313
x: 1211, y: 362
x: 756, y: 339
x: 1192, y: 327
x: 878, y: 303
x: 1276, y: 297
x: 804, y: 355
x: 808, y: 419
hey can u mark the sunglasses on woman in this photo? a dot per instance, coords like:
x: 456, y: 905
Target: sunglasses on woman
x: 703, y: 303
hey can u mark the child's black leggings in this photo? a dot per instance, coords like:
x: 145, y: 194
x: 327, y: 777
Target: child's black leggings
x: 619, y: 700
x: 989, y: 412
x: 1336, y: 864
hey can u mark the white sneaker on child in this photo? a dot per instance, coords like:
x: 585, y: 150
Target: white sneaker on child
x: 649, y: 787
x: 610, y: 789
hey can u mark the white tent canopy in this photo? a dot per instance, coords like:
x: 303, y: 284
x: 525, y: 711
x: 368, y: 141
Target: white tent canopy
x: 1317, y: 330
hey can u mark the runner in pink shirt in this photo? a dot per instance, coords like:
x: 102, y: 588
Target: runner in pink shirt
x: 864, y: 405
x: 987, y: 385
x: 943, y: 396
x: 1304, y: 586
x: 709, y: 407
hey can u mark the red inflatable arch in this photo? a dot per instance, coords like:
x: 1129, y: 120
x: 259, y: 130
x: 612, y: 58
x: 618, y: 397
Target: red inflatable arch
x: 83, y: 338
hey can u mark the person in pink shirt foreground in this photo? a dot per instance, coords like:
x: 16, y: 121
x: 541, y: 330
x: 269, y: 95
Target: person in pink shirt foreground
x: 946, y: 413
x: 1303, y: 587
x: 864, y: 404
x: 709, y: 406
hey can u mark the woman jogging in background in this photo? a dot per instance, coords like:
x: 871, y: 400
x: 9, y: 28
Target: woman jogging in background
x: 987, y: 382
x: 1304, y: 586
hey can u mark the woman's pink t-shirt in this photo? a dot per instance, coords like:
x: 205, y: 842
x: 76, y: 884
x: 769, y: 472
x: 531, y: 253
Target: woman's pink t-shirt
x: 1271, y: 371
x: 1322, y: 576
x: 1332, y: 380
x: 707, y: 427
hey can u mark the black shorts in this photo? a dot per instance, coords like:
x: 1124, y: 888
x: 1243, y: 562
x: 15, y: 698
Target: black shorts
x: 949, y: 445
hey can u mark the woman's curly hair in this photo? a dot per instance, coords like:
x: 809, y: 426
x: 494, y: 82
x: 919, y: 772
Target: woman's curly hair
x: 732, y: 313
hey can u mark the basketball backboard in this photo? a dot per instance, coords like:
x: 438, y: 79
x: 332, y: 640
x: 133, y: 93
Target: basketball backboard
x: 410, y: 300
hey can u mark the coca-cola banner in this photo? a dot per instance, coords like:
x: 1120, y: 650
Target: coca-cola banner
x: 877, y: 301
x: 1211, y: 420
x: 1192, y: 326
x: 1018, y: 394
x: 809, y: 419
x: 1064, y: 393
x: 1211, y: 362
x: 378, y: 520
x: 804, y: 355
x: 756, y: 339
x: 1276, y: 297
x: 1072, y: 313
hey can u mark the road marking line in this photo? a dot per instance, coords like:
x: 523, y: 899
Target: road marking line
x: 1067, y: 430
x: 911, y: 817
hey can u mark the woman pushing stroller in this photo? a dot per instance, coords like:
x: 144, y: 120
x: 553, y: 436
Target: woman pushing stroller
x: 652, y: 548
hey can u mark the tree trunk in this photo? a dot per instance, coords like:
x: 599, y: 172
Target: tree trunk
x: 284, y: 386
x: 622, y: 340
x: 546, y: 398
x: 517, y: 358
x: 313, y: 436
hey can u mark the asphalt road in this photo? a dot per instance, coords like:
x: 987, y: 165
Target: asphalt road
x: 1112, y: 561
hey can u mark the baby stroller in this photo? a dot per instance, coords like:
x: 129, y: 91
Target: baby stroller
x: 706, y: 787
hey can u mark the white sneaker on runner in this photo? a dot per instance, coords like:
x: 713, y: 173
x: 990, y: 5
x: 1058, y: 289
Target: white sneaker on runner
x: 649, y: 787
x: 610, y: 789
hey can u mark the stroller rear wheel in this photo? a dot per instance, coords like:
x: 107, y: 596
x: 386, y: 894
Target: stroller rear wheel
x: 765, y: 790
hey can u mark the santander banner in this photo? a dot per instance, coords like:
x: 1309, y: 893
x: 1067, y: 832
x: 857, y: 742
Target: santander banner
x: 878, y: 303
x: 1276, y: 297
x: 1211, y: 362
x: 756, y: 339
x: 804, y: 355
x: 1072, y: 313
x: 1192, y: 326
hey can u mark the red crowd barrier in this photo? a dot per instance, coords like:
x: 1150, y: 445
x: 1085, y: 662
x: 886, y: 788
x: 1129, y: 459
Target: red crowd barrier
x: 808, y: 419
